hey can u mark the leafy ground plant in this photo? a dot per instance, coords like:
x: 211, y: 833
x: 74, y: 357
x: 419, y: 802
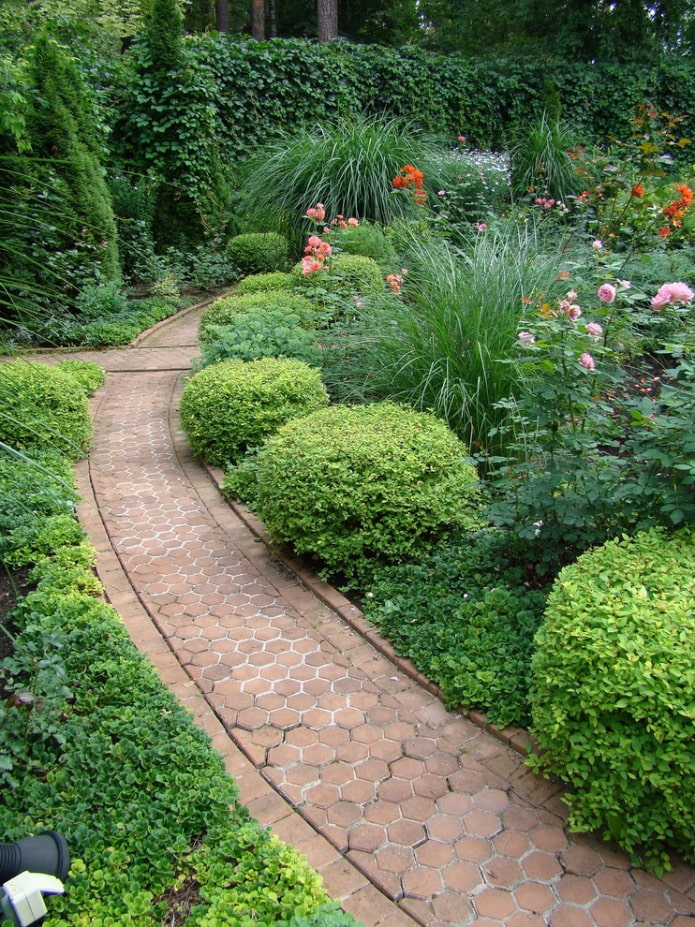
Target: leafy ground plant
x: 466, y: 616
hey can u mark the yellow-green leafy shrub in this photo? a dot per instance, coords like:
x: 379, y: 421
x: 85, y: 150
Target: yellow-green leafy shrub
x: 355, y: 485
x: 258, y: 252
x: 225, y: 310
x: 275, y: 280
x: 235, y: 405
x: 40, y: 404
x: 613, y: 691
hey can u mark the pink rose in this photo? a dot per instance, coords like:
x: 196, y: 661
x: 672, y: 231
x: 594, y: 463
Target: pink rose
x: 574, y: 313
x: 597, y: 245
x: 526, y: 337
x: 607, y: 293
x: 352, y: 222
x: 586, y: 360
x: 594, y: 329
x: 672, y: 293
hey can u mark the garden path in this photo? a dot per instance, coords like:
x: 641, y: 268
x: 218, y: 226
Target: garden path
x: 412, y: 814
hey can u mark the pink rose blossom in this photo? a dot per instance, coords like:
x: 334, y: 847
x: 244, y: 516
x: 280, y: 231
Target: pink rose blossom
x: 311, y: 265
x: 526, y: 337
x: 607, y: 293
x: 481, y: 226
x: 586, y: 360
x: 462, y: 138
x: 597, y: 245
x: 594, y: 329
x: 352, y: 222
x: 672, y: 293
x: 574, y: 313
x: 317, y: 213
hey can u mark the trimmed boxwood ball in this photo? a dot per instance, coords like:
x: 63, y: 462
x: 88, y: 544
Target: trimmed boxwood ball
x: 613, y: 691
x: 258, y: 252
x: 43, y: 405
x: 277, y: 280
x: 226, y: 309
x: 354, y: 485
x: 235, y: 405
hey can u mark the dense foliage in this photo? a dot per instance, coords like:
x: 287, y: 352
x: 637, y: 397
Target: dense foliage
x: 613, y: 690
x: 37, y: 400
x: 233, y: 406
x: 353, y: 487
x: 93, y: 745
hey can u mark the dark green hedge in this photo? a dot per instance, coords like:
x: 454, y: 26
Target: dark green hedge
x: 264, y: 87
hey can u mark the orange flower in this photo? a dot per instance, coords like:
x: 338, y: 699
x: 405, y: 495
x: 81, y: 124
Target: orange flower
x: 686, y: 194
x: 638, y: 190
x: 400, y: 182
x: 664, y: 232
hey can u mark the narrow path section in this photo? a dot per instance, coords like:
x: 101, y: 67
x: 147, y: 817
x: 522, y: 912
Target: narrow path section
x: 412, y: 814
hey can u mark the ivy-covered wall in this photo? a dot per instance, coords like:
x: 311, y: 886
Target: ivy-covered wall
x: 264, y: 87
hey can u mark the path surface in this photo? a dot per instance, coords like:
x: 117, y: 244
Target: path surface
x: 412, y: 814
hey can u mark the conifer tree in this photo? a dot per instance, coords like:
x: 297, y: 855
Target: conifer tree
x: 65, y: 146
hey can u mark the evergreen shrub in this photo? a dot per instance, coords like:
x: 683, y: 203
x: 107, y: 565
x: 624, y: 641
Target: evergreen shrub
x: 234, y: 405
x: 40, y: 404
x: 227, y: 309
x: 258, y: 252
x: 354, y: 485
x: 274, y: 280
x: 613, y: 691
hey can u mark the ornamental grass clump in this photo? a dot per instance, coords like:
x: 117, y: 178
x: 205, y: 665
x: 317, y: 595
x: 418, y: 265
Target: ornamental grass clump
x: 613, y: 691
x: 353, y: 486
x: 234, y: 405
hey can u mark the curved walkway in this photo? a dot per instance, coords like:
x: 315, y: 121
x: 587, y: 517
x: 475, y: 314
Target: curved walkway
x: 412, y: 814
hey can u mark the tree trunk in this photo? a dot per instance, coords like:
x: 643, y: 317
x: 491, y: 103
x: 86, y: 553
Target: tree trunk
x: 222, y: 15
x: 258, y: 19
x: 327, y: 20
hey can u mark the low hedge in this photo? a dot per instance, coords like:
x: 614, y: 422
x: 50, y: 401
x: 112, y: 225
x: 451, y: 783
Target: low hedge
x: 94, y: 746
x: 353, y: 486
x: 613, y: 691
x: 234, y: 405
x: 227, y: 309
x: 40, y: 403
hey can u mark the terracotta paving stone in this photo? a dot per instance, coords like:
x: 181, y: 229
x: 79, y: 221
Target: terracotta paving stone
x: 412, y: 814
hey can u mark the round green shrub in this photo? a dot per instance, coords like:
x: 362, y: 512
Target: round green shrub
x: 613, y: 691
x: 366, y: 239
x: 355, y: 485
x: 258, y: 252
x: 260, y: 333
x: 234, y: 405
x: 276, y: 280
x: 42, y: 405
x: 227, y: 309
x: 347, y: 275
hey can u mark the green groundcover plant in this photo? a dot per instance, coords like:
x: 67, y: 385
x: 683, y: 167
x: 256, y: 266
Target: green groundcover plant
x: 94, y: 746
x: 466, y: 616
x: 613, y: 691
